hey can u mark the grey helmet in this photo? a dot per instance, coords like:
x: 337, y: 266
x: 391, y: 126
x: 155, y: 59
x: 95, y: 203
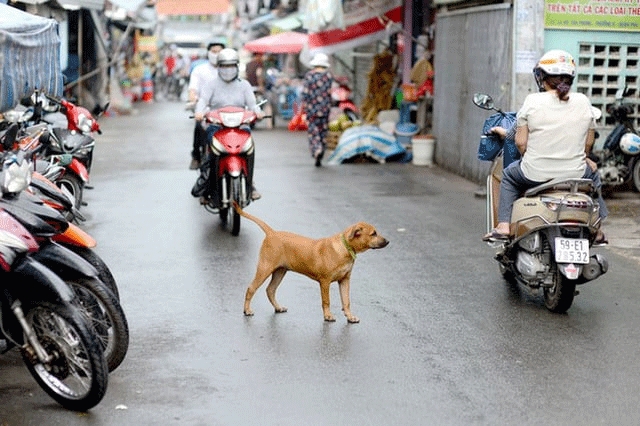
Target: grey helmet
x: 228, y: 60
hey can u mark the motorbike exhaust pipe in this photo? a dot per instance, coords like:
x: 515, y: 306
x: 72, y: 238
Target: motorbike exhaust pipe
x: 598, y: 265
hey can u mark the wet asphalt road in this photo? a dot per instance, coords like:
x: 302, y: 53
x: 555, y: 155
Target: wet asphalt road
x: 442, y: 340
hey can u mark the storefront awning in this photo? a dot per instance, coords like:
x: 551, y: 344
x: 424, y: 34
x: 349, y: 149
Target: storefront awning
x: 288, y: 23
x: 287, y: 42
x: 82, y: 4
x: 129, y: 5
x: 375, y: 28
x: 30, y: 57
x: 192, y: 7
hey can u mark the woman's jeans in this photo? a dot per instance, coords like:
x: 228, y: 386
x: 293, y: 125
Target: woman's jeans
x: 514, y: 183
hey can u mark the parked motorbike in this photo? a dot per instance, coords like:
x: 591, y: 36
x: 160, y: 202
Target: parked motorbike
x: 97, y: 302
x: 69, y: 141
x: 73, y: 237
x: 619, y: 160
x: 39, y: 314
x: 554, y: 226
x: 341, y: 94
x: 228, y: 164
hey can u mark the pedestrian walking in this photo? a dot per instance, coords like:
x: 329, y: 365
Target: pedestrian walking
x: 316, y: 101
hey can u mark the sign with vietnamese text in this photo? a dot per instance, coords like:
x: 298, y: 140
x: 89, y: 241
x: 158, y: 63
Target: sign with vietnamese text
x: 595, y: 15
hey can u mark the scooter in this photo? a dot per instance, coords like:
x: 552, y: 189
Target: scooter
x: 554, y: 226
x: 341, y: 96
x: 619, y: 160
x: 228, y: 164
x: 97, y: 302
x: 39, y: 315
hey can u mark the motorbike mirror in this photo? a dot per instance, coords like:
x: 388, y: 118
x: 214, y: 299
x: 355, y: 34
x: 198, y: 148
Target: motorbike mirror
x: 483, y: 100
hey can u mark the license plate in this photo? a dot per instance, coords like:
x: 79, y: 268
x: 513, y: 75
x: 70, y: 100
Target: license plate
x: 572, y: 250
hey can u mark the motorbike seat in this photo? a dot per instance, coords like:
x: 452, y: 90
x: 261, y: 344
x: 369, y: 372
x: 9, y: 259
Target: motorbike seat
x: 562, y: 184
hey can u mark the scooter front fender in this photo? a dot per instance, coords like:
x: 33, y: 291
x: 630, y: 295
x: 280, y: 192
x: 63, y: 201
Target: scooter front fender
x: 64, y: 262
x: 75, y: 236
x: 348, y: 105
x: 233, y: 165
x: 79, y: 169
x: 31, y: 281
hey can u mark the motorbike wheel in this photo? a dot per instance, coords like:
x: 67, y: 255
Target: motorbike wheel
x: 228, y: 215
x: 234, y: 216
x: 104, y: 273
x: 103, y: 312
x: 74, y: 185
x: 351, y: 115
x: 635, y: 173
x: 76, y: 376
x: 559, y: 297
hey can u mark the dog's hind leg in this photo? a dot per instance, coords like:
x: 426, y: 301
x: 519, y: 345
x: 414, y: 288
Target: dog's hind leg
x: 276, y: 279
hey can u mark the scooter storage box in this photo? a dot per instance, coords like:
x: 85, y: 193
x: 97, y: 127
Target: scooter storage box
x: 576, y: 208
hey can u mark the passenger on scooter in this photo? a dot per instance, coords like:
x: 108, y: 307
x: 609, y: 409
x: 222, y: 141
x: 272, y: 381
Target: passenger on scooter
x: 555, y: 132
x: 226, y: 90
x: 200, y: 75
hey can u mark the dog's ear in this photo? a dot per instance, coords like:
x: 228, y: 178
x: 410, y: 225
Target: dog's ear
x: 355, y: 232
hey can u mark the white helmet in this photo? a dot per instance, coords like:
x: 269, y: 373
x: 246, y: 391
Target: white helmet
x: 228, y: 56
x: 554, y: 62
x: 630, y: 144
x: 228, y: 64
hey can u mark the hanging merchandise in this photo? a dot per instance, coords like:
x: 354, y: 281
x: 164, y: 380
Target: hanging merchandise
x: 380, y: 87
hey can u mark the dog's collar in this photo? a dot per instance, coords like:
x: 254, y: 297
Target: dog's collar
x: 348, y: 247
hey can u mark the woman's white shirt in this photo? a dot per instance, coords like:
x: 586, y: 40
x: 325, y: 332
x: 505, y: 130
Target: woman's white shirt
x: 557, y: 133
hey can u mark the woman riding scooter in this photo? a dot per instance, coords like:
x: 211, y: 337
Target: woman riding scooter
x: 555, y: 132
x: 226, y: 90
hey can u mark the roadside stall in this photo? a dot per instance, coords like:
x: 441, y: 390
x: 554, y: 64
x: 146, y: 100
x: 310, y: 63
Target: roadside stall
x: 29, y: 56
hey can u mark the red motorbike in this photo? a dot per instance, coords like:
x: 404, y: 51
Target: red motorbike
x: 227, y: 169
x: 75, y: 139
x: 341, y: 96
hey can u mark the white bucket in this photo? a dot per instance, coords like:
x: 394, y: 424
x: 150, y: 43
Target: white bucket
x: 422, y: 148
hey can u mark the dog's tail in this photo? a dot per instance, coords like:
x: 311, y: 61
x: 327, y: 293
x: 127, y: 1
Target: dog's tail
x: 266, y: 228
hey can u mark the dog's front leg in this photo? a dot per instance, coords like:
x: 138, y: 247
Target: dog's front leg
x: 344, y: 298
x: 324, y: 293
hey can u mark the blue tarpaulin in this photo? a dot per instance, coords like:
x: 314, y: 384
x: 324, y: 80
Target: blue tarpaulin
x: 29, y: 56
x: 367, y: 140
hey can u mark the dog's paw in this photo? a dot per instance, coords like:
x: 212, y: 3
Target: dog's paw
x: 248, y: 313
x: 281, y: 310
x: 353, y: 319
x: 330, y: 318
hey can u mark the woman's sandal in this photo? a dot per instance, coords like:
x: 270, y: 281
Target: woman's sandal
x: 495, y: 236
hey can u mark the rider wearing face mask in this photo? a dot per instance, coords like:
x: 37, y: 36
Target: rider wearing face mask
x: 200, y: 75
x: 227, y: 90
x: 554, y: 134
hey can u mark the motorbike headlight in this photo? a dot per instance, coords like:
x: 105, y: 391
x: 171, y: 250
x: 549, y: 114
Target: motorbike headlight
x: 85, y: 124
x: 231, y: 119
x: 16, y: 175
x: 217, y: 147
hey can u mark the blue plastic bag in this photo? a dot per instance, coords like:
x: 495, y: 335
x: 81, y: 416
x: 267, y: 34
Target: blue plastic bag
x: 491, y: 144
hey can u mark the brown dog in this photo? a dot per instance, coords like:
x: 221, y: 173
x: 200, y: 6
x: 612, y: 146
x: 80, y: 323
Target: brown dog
x: 324, y: 260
